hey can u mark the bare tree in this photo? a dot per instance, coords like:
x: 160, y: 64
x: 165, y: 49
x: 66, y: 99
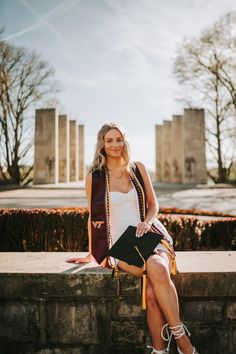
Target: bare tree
x: 25, y: 80
x: 205, y: 67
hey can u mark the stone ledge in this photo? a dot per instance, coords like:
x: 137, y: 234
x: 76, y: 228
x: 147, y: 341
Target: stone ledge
x: 50, y: 306
x: 46, y: 274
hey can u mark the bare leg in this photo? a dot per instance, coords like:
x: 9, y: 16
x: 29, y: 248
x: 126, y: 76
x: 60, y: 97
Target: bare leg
x: 155, y: 317
x: 158, y: 270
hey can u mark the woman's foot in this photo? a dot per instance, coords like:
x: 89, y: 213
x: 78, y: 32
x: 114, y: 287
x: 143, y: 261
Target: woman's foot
x: 156, y: 351
x: 184, y: 346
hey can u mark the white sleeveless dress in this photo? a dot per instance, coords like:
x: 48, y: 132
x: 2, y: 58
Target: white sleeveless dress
x: 124, y: 211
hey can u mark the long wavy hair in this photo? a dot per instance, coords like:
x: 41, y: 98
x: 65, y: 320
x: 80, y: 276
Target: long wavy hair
x: 99, y: 160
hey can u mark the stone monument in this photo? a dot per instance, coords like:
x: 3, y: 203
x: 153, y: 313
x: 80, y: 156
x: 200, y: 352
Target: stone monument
x: 180, y: 149
x: 46, y: 146
x: 59, y: 148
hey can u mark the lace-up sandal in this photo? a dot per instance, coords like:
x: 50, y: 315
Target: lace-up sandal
x: 176, y: 332
x: 155, y: 351
x: 179, y: 331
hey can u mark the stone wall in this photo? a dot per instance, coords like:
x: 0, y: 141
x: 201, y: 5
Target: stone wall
x: 81, y: 313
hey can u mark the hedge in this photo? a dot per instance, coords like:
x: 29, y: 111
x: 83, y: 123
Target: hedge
x: 65, y: 229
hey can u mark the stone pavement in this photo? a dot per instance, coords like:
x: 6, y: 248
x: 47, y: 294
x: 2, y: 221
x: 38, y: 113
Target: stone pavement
x: 73, y: 195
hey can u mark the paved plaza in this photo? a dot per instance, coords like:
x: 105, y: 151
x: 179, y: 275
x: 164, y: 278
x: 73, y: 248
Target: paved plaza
x: 73, y: 195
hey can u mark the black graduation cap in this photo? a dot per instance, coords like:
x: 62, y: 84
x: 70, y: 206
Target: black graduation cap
x: 133, y: 249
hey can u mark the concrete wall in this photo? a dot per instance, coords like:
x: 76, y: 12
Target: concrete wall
x: 46, y: 146
x: 46, y: 307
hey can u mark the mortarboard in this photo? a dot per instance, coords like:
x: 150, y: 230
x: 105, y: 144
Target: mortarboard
x: 133, y: 249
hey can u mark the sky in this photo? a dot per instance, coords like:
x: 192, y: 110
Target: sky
x: 113, y: 58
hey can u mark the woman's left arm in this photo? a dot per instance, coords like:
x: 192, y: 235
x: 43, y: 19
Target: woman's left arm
x: 151, y: 201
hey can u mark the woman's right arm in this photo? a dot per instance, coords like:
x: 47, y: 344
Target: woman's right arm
x: 89, y: 257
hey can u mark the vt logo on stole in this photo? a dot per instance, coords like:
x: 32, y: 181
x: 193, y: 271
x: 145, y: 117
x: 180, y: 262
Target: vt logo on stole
x: 97, y: 224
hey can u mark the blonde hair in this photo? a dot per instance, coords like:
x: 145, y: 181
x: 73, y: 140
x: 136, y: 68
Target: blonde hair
x: 99, y: 160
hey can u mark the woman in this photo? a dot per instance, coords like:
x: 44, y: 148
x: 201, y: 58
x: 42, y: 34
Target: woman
x: 120, y: 194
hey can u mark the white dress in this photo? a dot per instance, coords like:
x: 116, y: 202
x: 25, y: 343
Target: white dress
x: 124, y: 211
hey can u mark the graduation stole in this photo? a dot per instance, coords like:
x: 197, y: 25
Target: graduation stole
x: 100, y: 219
x: 100, y: 209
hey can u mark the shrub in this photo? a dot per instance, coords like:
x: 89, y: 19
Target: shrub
x: 65, y: 229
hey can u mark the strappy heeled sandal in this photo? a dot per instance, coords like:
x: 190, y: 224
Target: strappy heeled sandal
x: 155, y: 351
x: 177, y: 332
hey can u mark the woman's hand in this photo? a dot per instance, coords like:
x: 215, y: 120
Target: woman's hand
x: 142, y: 228
x: 89, y: 258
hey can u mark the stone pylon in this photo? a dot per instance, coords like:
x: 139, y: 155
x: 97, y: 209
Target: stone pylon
x: 177, y: 149
x: 180, y: 149
x: 194, y: 146
x: 166, y: 159
x: 46, y: 146
x: 158, y: 153
x: 73, y: 151
x: 81, y: 164
x: 64, y: 148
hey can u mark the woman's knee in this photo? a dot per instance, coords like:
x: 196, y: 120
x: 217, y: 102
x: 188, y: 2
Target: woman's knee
x: 157, y: 269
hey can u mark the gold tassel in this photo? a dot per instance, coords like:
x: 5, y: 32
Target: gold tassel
x: 144, y: 285
x: 144, y: 288
x: 115, y: 276
x: 171, y: 252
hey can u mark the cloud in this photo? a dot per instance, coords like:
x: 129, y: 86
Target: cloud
x: 43, y: 21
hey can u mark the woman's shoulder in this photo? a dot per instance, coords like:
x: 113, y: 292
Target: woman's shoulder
x: 140, y: 165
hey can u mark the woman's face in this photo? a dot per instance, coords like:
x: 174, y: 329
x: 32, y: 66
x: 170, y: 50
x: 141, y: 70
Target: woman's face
x: 113, y: 143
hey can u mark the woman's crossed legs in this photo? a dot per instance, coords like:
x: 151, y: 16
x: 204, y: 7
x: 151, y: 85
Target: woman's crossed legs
x: 162, y: 299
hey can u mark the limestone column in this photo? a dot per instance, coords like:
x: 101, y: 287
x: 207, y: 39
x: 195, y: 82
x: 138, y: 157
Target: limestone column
x: 46, y: 146
x: 81, y: 152
x: 73, y: 151
x: 166, y: 160
x: 177, y: 152
x: 158, y: 152
x: 64, y: 157
x: 194, y: 146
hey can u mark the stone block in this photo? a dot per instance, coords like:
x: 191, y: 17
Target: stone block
x: 127, y: 309
x: 72, y: 322
x: 231, y: 311
x: 74, y: 350
x: 127, y: 332
x: 20, y: 322
x: 206, y: 311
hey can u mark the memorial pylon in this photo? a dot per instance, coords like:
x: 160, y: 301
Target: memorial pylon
x: 46, y: 146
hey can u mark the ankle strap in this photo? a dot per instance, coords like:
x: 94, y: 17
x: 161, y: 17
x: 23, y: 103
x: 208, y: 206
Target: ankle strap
x: 155, y: 351
x: 176, y: 331
x: 179, y: 331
